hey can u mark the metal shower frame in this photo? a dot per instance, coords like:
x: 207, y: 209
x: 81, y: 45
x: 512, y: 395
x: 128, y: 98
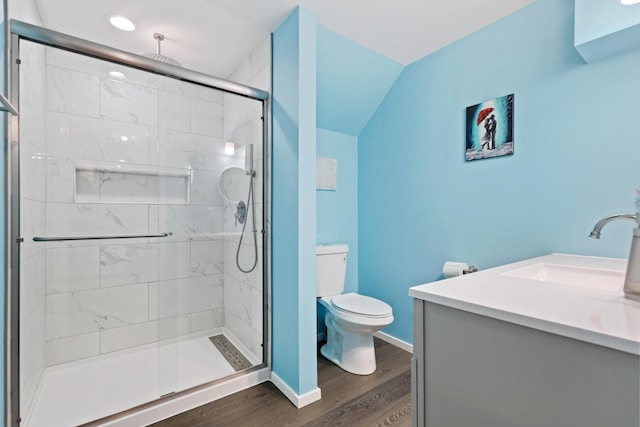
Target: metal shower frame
x: 23, y: 31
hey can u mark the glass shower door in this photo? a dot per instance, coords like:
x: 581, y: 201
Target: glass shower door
x: 88, y: 193
x: 209, y: 311
x: 141, y: 210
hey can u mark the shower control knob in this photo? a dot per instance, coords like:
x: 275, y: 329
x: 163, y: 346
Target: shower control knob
x: 241, y: 212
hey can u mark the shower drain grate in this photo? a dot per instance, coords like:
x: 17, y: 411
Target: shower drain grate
x: 230, y: 352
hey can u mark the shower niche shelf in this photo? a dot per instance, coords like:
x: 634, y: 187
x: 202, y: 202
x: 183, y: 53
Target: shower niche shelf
x: 132, y: 184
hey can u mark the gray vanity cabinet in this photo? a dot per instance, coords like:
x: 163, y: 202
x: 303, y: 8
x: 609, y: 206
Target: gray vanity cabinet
x: 471, y: 370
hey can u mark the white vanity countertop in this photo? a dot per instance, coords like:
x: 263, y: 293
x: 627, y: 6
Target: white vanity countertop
x: 600, y: 316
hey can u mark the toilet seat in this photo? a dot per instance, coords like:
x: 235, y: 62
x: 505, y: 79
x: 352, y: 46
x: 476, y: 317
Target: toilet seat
x: 361, y: 305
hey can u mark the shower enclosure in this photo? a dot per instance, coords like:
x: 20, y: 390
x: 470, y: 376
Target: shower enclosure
x: 137, y: 230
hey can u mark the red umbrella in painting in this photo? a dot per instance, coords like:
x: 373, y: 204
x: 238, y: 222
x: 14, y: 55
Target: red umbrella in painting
x: 483, y: 115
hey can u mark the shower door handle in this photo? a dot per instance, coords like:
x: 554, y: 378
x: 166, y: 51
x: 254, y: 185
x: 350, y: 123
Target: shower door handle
x: 121, y: 236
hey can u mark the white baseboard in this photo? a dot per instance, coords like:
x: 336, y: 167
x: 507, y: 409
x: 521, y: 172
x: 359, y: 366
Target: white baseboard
x: 395, y: 341
x: 298, y: 400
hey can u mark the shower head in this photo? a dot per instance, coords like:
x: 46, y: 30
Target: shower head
x: 158, y: 56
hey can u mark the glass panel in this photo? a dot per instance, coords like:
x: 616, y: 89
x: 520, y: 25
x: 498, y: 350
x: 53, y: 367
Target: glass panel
x: 33, y: 263
x: 88, y: 338
x: 210, y: 312
x: 110, y: 324
x: 3, y: 219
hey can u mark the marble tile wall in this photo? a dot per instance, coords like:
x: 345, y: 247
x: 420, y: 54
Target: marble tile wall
x: 243, y: 292
x: 109, y: 295
x: 83, y: 299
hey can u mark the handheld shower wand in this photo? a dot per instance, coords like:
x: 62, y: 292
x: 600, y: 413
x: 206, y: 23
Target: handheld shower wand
x: 251, y: 204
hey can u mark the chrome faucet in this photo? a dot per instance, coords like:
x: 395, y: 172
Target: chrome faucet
x: 595, y: 233
x: 632, y: 278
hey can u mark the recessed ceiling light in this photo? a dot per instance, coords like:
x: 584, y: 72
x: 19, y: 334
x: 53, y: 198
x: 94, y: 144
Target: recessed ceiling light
x: 122, y: 23
x: 628, y: 2
x: 116, y: 75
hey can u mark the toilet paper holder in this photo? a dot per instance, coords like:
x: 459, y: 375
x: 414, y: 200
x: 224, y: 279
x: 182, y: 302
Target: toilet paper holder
x: 470, y: 269
x: 453, y: 269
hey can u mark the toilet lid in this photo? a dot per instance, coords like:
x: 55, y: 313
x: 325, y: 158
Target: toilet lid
x: 362, y: 305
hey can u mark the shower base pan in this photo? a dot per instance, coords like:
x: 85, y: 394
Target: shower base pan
x: 83, y: 391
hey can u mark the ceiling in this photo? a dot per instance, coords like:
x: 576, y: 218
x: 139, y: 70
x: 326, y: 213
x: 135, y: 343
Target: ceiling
x: 214, y: 36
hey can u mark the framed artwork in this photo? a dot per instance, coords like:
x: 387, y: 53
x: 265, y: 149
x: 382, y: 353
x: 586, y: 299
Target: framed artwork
x: 490, y: 129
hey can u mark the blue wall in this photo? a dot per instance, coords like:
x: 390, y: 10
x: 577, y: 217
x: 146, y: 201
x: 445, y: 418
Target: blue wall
x: 352, y: 81
x: 576, y: 157
x: 599, y: 18
x: 605, y: 27
x: 294, y: 202
x: 338, y: 210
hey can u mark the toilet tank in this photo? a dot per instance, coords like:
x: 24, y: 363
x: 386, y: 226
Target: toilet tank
x: 331, y: 266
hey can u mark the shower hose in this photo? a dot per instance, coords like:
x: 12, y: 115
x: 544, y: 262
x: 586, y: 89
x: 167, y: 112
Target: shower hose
x: 250, y: 202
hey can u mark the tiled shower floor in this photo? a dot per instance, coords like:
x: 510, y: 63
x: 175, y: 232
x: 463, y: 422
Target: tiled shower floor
x: 84, y: 391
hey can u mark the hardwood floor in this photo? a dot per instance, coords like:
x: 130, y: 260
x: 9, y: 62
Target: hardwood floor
x: 380, y: 399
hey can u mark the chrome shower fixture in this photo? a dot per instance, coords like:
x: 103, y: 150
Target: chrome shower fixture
x: 248, y: 160
x: 158, y: 56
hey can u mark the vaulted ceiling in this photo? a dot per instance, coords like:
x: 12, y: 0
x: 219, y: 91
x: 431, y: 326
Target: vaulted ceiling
x: 213, y: 36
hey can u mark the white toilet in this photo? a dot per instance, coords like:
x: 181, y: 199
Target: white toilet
x: 351, y: 319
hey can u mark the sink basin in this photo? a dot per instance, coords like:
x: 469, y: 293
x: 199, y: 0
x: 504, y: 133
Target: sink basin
x: 583, y: 277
